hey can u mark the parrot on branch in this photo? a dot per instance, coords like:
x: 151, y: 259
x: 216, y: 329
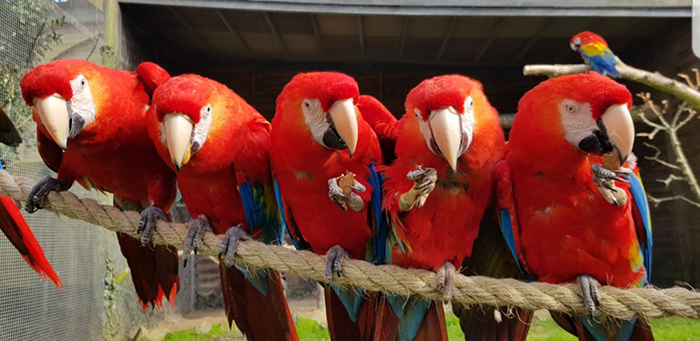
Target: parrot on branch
x: 571, y: 204
x: 594, y: 51
x: 321, y: 149
x: 219, y: 146
x: 436, y: 192
x: 91, y: 129
x: 12, y: 222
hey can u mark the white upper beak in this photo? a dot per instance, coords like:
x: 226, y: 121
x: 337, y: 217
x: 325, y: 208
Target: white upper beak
x: 620, y: 129
x: 53, y: 112
x: 345, y: 120
x: 178, y: 132
x: 447, y: 132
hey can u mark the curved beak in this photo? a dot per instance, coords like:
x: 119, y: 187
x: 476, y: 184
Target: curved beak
x: 53, y: 112
x: 447, y: 132
x: 178, y: 132
x: 620, y: 129
x: 345, y: 121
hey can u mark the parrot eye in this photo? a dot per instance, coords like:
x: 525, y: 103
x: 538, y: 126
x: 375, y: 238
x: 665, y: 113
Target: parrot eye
x: 570, y: 108
x: 417, y: 112
x: 209, y: 108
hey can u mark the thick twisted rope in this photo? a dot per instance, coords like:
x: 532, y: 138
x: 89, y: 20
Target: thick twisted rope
x: 472, y: 290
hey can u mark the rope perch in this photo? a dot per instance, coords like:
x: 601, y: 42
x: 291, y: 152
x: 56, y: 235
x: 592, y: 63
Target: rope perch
x: 472, y: 290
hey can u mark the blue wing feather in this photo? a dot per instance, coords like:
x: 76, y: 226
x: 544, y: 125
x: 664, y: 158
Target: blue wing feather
x: 640, y: 201
x: 507, y: 230
x: 381, y: 223
x: 603, y: 64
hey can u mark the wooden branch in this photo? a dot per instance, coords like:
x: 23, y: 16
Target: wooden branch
x: 656, y: 159
x: 671, y: 178
x: 656, y: 201
x: 654, y: 80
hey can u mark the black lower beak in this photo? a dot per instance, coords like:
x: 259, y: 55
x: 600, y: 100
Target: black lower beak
x: 331, y: 138
x: 597, y: 143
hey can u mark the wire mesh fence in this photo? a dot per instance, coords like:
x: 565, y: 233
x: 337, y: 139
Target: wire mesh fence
x: 32, y: 32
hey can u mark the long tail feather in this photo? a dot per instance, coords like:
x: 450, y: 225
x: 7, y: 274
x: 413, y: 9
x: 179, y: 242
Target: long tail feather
x: 480, y: 324
x: 609, y: 330
x: 259, y: 315
x: 20, y: 235
x: 340, y: 323
x: 153, y: 270
x: 399, y: 319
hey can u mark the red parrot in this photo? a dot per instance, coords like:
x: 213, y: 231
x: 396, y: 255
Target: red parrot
x: 436, y: 191
x: 595, y: 51
x: 566, y: 210
x: 318, y: 135
x: 220, y: 147
x: 13, y: 224
x: 90, y: 129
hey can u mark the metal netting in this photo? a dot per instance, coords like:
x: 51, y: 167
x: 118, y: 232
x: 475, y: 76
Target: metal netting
x: 32, y: 32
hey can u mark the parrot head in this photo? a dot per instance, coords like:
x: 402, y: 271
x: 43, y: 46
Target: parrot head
x: 447, y: 108
x: 585, y: 38
x: 326, y: 103
x: 65, y: 94
x: 591, y: 111
x: 183, y: 107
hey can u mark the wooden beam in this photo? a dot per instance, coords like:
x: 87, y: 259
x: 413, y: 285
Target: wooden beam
x: 492, y: 36
x: 544, y: 27
x: 237, y: 35
x: 211, y: 51
x: 450, y: 28
x: 317, y: 32
x: 275, y: 33
x: 361, y: 35
x: 405, y: 22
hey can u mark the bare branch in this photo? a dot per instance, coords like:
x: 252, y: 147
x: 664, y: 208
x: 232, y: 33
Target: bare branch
x: 650, y: 135
x: 656, y: 159
x: 691, y: 114
x: 652, y: 79
x: 656, y: 201
x: 649, y: 104
x: 687, y: 80
x: 671, y: 178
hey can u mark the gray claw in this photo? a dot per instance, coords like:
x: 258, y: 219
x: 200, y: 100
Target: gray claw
x: 589, y: 290
x: 334, y: 261
x: 602, y: 172
x: 41, y: 190
x: 446, y: 280
x: 230, y: 243
x: 195, y: 232
x: 354, y: 201
x: 149, y: 218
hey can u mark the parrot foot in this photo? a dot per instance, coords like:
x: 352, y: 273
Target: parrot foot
x: 605, y: 181
x: 149, y: 218
x: 446, y: 280
x: 589, y: 290
x: 230, y: 243
x: 41, y: 190
x: 424, y: 182
x: 195, y: 232
x: 341, y: 193
x: 334, y: 261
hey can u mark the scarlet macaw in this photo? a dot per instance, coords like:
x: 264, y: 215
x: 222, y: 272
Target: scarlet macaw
x: 318, y: 135
x: 90, y: 129
x: 436, y: 191
x: 13, y: 224
x: 566, y: 210
x: 594, y: 51
x: 219, y: 146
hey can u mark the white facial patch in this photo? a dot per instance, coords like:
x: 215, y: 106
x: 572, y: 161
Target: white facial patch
x: 315, y: 119
x: 576, y: 120
x: 201, y: 129
x: 82, y: 103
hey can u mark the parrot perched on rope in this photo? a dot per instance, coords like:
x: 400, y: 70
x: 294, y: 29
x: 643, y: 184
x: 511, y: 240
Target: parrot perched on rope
x: 571, y: 209
x: 321, y: 148
x: 13, y: 224
x: 219, y: 146
x: 436, y: 192
x: 91, y: 129
x: 594, y: 51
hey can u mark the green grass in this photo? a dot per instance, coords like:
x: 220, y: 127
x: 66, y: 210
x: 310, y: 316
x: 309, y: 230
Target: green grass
x: 671, y: 328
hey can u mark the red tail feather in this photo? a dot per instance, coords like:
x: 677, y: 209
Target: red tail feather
x: 153, y: 270
x: 17, y: 231
x: 341, y: 327
x: 260, y: 317
x: 432, y: 328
